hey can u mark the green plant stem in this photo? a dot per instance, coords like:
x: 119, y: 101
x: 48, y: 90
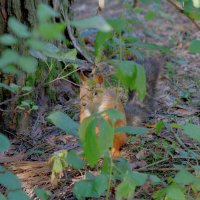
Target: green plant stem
x: 109, y: 182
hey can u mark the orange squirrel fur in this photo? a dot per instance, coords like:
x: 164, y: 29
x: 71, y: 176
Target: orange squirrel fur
x: 99, y: 99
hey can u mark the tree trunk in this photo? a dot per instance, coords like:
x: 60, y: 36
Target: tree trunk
x: 24, y: 11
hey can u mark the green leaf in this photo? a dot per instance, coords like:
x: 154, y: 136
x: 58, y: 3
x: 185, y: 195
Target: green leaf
x: 106, y: 165
x: 132, y: 76
x: 38, y: 55
x: 14, y: 88
x: 160, y: 194
x: 126, y: 189
x: 183, y: 177
x: 118, y: 24
x: 57, y: 165
x: 105, y: 137
x: 140, y: 82
x: 17, y: 195
x: 150, y: 15
x: 42, y: 194
x: 160, y: 126
x: 18, y: 28
x: 8, y: 39
x: 152, y: 47
x: 4, y: 143
x: 27, y: 88
x: 101, y: 39
x: 192, y: 131
x: 100, y: 184
x: 71, y: 54
x: 126, y: 73
x: 194, y: 46
x: 132, y: 130
x: 74, y: 160
x: 2, y: 197
x: 114, y: 115
x: 89, y: 139
x: 59, y: 161
x: 120, y: 168
x: 10, y: 69
x: 7, y: 87
x: 83, y: 189
x: 64, y: 122
x: 97, y: 22
x: 8, y: 57
x: 45, y: 12
x: 28, y: 64
x: 174, y: 192
x: 36, y: 44
x: 10, y: 181
x: 51, y: 31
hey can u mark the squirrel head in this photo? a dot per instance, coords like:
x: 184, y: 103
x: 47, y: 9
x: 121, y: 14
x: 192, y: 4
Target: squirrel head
x: 91, y: 90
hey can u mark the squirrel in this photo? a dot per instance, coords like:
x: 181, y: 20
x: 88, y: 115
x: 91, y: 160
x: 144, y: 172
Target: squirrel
x: 137, y: 111
x: 134, y: 111
x: 99, y: 99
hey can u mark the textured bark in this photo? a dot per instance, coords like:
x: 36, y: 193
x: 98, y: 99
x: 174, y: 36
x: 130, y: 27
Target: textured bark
x: 24, y: 11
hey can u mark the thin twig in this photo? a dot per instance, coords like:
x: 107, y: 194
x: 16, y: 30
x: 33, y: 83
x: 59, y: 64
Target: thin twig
x: 74, y: 40
x: 166, y: 169
x: 182, y: 12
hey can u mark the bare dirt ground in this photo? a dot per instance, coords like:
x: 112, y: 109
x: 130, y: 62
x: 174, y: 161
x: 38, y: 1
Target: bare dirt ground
x: 178, y: 100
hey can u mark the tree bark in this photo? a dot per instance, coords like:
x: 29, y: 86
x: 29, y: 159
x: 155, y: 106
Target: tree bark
x: 25, y: 12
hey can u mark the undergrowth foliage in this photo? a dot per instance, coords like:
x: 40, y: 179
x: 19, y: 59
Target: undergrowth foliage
x: 130, y: 74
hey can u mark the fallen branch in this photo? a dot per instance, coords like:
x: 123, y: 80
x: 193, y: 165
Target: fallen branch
x: 172, y: 2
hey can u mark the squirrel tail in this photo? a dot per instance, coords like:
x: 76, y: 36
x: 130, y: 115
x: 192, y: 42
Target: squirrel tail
x: 137, y: 111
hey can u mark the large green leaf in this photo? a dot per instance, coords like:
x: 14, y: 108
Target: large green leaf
x: 64, y: 122
x: 28, y: 64
x: 18, y: 28
x: 140, y: 82
x: 132, y: 76
x: 4, y: 143
x: 97, y: 22
x: 174, y: 192
x: 8, y: 57
x: 105, y: 137
x: 10, y: 181
x: 45, y: 12
x: 42, y: 194
x: 51, y: 31
x: 194, y: 46
x: 118, y: 24
x: 114, y: 114
x: 8, y: 39
x: 126, y: 73
x: 83, y: 189
x: 74, y: 160
x: 17, y: 195
x: 101, y: 39
x: 126, y: 189
x: 100, y: 184
x: 89, y: 139
x: 193, y: 131
x: 183, y: 177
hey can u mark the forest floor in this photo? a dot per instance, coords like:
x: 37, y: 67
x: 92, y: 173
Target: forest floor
x: 178, y: 101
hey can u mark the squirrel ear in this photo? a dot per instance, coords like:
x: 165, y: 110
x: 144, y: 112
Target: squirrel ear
x: 99, y: 79
x: 83, y: 77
